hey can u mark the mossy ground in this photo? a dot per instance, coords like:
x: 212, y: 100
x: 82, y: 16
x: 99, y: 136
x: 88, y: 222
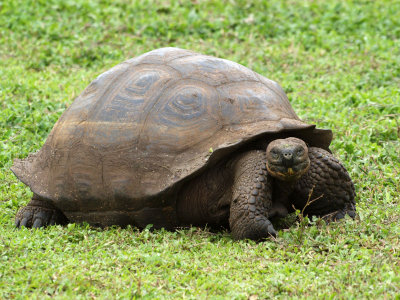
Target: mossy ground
x: 338, y: 61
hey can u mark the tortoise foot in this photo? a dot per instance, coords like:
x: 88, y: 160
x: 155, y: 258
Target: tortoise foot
x: 259, y: 230
x: 36, y: 216
x: 340, y: 214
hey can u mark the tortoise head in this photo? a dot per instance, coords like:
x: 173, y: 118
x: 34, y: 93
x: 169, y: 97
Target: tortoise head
x: 287, y: 159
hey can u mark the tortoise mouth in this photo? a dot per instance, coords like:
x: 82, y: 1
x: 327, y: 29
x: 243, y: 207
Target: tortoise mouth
x: 285, y: 173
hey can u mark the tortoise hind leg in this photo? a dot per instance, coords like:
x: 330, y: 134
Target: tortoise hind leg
x: 326, y: 190
x: 39, y: 213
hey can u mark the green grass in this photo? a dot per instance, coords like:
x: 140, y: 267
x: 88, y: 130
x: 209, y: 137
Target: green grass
x: 338, y: 61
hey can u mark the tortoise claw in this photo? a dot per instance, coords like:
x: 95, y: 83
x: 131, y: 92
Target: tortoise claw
x: 24, y: 222
x: 52, y: 221
x: 271, y: 231
x: 38, y: 223
x: 268, y: 228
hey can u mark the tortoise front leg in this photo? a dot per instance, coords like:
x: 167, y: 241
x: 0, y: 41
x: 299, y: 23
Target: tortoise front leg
x: 251, y: 198
x: 326, y: 190
x: 39, y: 213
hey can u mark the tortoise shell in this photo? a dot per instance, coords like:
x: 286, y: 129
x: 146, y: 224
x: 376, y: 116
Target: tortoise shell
x: 149, y: 123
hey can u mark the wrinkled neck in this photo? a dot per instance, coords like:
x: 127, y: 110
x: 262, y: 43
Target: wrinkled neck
x: 281, y: 204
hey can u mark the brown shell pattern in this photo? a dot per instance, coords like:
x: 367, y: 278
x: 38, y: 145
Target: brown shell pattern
x: 149, y: 122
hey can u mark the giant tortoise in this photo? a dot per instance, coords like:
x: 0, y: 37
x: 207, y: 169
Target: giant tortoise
x: 175, y: 138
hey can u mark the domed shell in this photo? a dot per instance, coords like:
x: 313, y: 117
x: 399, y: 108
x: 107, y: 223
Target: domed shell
x: 150, y: 122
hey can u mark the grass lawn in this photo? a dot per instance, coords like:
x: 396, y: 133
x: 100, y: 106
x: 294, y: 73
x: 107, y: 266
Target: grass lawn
x: 338, y: 61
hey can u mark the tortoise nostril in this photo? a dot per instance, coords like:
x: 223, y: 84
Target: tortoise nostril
x: 287, y: 159
x: 287, y: 155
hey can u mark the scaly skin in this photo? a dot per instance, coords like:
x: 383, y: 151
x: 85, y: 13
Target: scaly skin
x: 251, y: 198
x: 328, y: 187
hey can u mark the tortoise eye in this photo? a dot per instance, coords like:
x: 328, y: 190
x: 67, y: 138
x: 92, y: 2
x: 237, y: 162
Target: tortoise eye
x: 274, y: 154
x: 300, y: 152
